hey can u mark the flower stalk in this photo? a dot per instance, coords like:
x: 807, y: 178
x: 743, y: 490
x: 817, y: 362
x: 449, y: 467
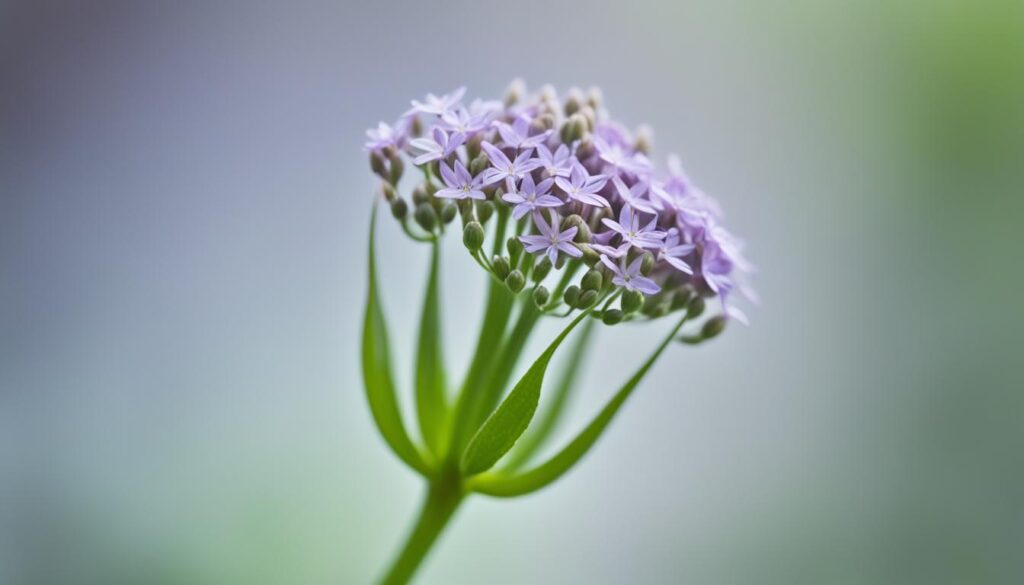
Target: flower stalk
x: 597, y: 238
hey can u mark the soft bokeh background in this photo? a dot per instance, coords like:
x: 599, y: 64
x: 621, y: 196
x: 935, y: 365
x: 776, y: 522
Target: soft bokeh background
x: 183, y: 212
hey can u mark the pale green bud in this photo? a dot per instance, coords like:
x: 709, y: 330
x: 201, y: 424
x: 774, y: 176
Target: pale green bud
x: 515, y: 281
x: 541, y: 296
x: 592, y: 280
x: 612, y: 316
x: 587, y: 299
x: 501, y: 267
x: 425, y: 216
x: 473, y: 236
x: 541, y: 269
x: 571, y: 295
x: 631, y: 301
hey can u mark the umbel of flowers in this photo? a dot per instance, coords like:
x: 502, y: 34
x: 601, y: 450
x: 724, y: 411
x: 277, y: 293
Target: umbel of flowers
x: 564, y: 210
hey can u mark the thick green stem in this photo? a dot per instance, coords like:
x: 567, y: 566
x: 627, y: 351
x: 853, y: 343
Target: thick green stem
x: 443, y: 498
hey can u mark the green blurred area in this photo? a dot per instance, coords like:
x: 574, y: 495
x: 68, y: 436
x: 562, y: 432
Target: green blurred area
x: 868, y: 427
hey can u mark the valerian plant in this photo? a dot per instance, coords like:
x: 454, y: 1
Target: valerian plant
x: 578, y: 225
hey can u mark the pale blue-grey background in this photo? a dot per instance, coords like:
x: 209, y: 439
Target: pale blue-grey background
x: 183, y: 212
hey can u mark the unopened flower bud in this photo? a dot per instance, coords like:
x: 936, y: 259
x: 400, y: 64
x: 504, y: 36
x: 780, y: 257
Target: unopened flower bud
x: 590, y: 256
x: 541, y: 269
x: 681, y: 297
x: 515, y: 92
x: 647, y: 264
x: 573, y: 102
x: 515, y: 281
x: 631, y: 301
x: 399, y: 208
x: 416, y: 127
x: 388, y: 191
x: 514, y: 247
x: 543, y: 122
x: 571, y: 295
x: 612, y: 316
x: 541, y: 296
x: 695, y: 308
x: 420, y: 194
x: 582, y: 229
x: 575, y: 128
x: 448, y: 211
x: 377, y: 164
x: 587, y: 299
x: 643, y: 140
x: 425, y: 216
x: 712, y: 327
x: 473, y: 236
x: 484, y: 211
x: 590, y: 115
x: 594, y: 98
x: 397, y: 166
x: 479, y: 164
x: 501, y: 267
x: 592, y: 280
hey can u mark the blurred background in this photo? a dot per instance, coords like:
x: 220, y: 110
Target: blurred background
x: 183, y: 214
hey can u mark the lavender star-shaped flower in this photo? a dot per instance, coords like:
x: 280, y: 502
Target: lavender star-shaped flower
x: 531, y: 197
x: 551, y: 240
x: 518, y: 134
x: 460, y: 184
x: 384, y: 136
x: 629, y: 228
x: 672, y: 251
x: 618, y: 158
x: 510, y: 170
x: 437, y: 148
x: 465, y: 122
x: 634, y: 196
x: 437, y: 105
x: 582, y: 187
x: 630, y: 276
x: 555, y: 164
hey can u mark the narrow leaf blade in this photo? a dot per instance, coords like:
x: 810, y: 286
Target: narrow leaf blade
x: 506, y: 486
x: 377, y: 378
x: 431, y: 406
x: 549, y: 418
x: 501, y: 430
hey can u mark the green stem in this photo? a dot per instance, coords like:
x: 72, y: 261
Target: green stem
x: 443, y: 497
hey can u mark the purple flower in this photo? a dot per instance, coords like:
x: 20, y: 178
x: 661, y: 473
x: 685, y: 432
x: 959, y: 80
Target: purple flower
x: 437, y: 105
x: 505, y: 168
x: 531, y: 197
x: 518, y: 134
x: 672, y: 251
x: 551, y: 240
x: 384, y: 136
x: 460, y: 183
x: 557, y: 164
x: 465, y: 122
x: 582, y: 187
x: 630, y: 276
x: 437, y: 148
x: 618, y: 158
x: 634, y: 196
x: 715, y: 268
x: 629, y: 228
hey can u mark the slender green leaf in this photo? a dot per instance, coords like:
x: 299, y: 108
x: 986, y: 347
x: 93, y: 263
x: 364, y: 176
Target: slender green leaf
x: 430, y: 379
x: 501, y: 485
x: 380, y: 387
x: 537, y: 435
x: 501, y: 430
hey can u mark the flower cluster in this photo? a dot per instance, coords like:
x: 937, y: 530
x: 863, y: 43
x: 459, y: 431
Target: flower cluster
x: 580, y: 190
